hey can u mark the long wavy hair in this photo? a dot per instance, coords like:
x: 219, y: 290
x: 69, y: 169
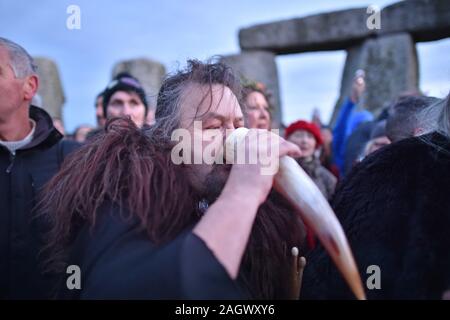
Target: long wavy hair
x: 122, y: 166
x: 436, y: 117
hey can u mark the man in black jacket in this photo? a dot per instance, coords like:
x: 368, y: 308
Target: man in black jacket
x: 138, y: 224
x: 31, y: 151
x: 155, y: 213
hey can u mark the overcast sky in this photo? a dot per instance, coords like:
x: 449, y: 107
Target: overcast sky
x: 171, y: 31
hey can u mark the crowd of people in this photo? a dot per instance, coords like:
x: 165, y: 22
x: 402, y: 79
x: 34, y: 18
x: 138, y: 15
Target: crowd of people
x: 111, y: 201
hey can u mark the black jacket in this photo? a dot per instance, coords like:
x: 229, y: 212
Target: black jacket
x: 118, y: 261
x: 21, y: 177
x: 395, y: 210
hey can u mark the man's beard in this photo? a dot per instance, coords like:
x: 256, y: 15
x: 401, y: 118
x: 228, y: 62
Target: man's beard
x: 266, y: 266
x: 215, y: 182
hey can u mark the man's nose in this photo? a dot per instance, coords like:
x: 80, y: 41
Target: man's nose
x: 228, y: 130
x: 126, y: 109
x: 263, y: 114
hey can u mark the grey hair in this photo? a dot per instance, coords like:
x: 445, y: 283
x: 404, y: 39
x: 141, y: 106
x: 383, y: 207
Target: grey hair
x: 20, y: 60
x: 167, y: 112
x: 436, y: 117
x: 402, y: 121
x: 173, y: 89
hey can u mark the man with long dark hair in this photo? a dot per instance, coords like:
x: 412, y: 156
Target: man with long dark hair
x: 140, y: 226
x: 136, y: 215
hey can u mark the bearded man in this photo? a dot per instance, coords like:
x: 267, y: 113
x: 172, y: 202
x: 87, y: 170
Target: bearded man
x: 141, y: 227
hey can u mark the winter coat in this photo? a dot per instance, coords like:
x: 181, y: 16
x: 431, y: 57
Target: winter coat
x: 395, y: 210
x: 22, y: 176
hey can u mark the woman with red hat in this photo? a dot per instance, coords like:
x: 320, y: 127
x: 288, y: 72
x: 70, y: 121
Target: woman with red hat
x: 307, y: 136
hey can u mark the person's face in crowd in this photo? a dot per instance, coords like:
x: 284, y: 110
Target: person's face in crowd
x: 129, y: 104
x: 378, y: 143
x: 57, y: 123
x: 82, y: 133
x: 14, y: 92
x: 222, y: 112
x: 305, y: 141
x: 99, y: 112
x: 258, y: 115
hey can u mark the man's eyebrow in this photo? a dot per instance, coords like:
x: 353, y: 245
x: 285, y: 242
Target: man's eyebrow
x: 214, y: 115
x: 117, y: 100
x: 137, y: 99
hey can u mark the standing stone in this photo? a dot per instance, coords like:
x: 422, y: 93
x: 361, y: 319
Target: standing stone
x: 50, y: 87
x: 391, y: 67
x: 325, y: 31
x: 150, y: 73
x: 425, y: 20
x: 259, y: 66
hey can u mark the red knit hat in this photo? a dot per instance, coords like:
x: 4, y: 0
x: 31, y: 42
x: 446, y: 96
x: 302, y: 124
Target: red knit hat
x: 307, y: 126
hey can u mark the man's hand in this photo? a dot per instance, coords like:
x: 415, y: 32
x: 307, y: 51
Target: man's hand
x: 257, y: 179
x: 226, y: 226
x: 358, y: 86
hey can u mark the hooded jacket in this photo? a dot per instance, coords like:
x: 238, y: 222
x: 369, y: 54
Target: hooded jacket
x: 21, y: 177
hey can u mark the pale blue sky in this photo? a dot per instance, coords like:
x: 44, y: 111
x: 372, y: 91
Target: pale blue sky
x: 172, y: 31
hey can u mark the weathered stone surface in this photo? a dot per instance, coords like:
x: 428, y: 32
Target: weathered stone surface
x: 50, y: 87
x: 150, y: 73
x: 391, y: 67
x: 259, y: 66
x: 426, y: 20
x: 326, y: 31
